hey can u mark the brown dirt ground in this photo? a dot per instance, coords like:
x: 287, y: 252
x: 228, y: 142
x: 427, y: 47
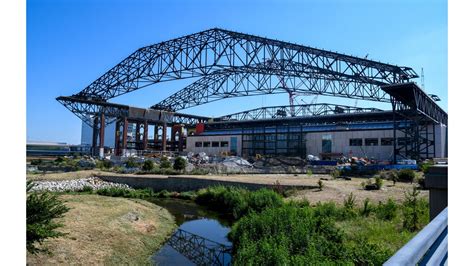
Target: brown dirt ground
x: 335, y: 190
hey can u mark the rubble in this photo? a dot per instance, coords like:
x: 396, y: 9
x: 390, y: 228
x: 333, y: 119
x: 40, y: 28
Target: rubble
x: 75, y: 185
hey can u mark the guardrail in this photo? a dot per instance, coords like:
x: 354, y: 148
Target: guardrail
x: 428, y: 247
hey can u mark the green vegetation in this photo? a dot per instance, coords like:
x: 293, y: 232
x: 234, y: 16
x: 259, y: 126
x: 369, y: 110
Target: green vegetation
x: 131, y: 163
x: 179, y: 164
x: 104, y: 164
x: 237, y: 201
x: 41, y: 209
x: 378, y: 182
x: 297, y: 234
x: 148, y: 165
x: 387, y: 210
x: 164, y: 163
x: 426, y: 165
x: 390, y: 175
x: 320, y: 184
x: 406, y: 175
x: 309, y: 173
x: 413, y: 210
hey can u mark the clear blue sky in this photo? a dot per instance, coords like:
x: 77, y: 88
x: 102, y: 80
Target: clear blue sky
x: 70, y: 43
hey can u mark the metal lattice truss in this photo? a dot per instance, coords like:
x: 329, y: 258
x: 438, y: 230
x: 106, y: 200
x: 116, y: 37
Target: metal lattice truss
x: 281, y: 76
x: 304, y: 110
x: 86, y: 110
x: 200, y: 250
x: 202, y: 53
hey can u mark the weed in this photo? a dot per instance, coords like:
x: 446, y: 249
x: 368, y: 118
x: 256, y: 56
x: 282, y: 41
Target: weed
x: 387, y: 211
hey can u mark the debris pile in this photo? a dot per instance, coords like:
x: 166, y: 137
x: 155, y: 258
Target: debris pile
x: 75, y: 185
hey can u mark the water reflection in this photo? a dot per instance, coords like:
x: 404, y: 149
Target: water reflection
x: 194, y: 219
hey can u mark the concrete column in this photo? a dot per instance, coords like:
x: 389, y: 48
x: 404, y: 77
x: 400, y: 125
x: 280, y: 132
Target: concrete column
x: 117, y: 138
x: 155, y: 135
x: 94, y: 135
x: 436, y: 180
x: 124, y: 137
x: 180, y: 138
x: 145, y: 135
x: 102, y: 136
x: 163, y: 137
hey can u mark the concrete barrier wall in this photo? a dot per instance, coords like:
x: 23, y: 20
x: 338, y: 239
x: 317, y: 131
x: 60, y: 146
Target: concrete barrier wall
x: 181, y: 184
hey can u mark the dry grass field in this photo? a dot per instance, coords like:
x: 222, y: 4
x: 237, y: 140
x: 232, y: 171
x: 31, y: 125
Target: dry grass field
x: 105, y: 230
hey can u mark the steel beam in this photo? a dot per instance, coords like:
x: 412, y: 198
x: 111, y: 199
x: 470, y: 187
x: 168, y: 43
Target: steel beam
x: 204, y: 52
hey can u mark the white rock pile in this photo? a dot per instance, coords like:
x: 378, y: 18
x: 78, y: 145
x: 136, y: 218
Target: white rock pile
x: 75, y: 185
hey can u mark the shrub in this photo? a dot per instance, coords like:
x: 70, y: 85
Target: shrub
x: 285, y: 236
x: 36, y: 162
x: 366, y: 208
x: 278, y: 188
x: 104, y: 164
x: 413, y: 210
x: 329, y: 210
x: 238, y: 201
x: 131, y: 163
x: 148, y: 165
x: 41, y: 209
x: 349, y: 202
x: 406, y: 175
x: 309, y: 173
x: 386, y: 211
x: 179, y: 164
x: 262, y: 199
x: 320, y: 184
x: 425, y: 166
x: 378, y: 182
x: 87, y: 189
x: 349, y: 207
x: 164, y: 163
x: 391, y: 175
x: 59, y: 159
x: 113, y: 192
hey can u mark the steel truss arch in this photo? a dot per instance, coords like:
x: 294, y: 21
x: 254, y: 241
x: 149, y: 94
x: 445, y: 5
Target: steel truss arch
x: 244, y: 81
x: 202, y: 53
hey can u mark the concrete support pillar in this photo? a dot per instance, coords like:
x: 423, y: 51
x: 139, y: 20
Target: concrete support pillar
x: 436, y: 180
x: 155, y: 135
x: 137, y: 132
x: 163, y: 137
x: 145, y: 135
x: 180, y: 138
x: 102, y: 136
x: 117, y: 138
x: 94, y: 135
x: 124, y: 136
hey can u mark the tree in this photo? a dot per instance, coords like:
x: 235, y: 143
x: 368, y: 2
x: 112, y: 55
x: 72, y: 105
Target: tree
x: 179, y: 163
x: 41, y: 209
x: 164, y: 163
x: 148, y: 165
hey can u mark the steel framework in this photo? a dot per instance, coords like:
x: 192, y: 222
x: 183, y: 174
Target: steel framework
x: 304, y: 110
x: 87, y: 110
x: 200, y: 250
x: 232, y: 64
x: 281, y: 76
x: 202, y: 53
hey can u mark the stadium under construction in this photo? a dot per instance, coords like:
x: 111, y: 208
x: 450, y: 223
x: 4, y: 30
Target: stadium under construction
x: 231, y: 64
